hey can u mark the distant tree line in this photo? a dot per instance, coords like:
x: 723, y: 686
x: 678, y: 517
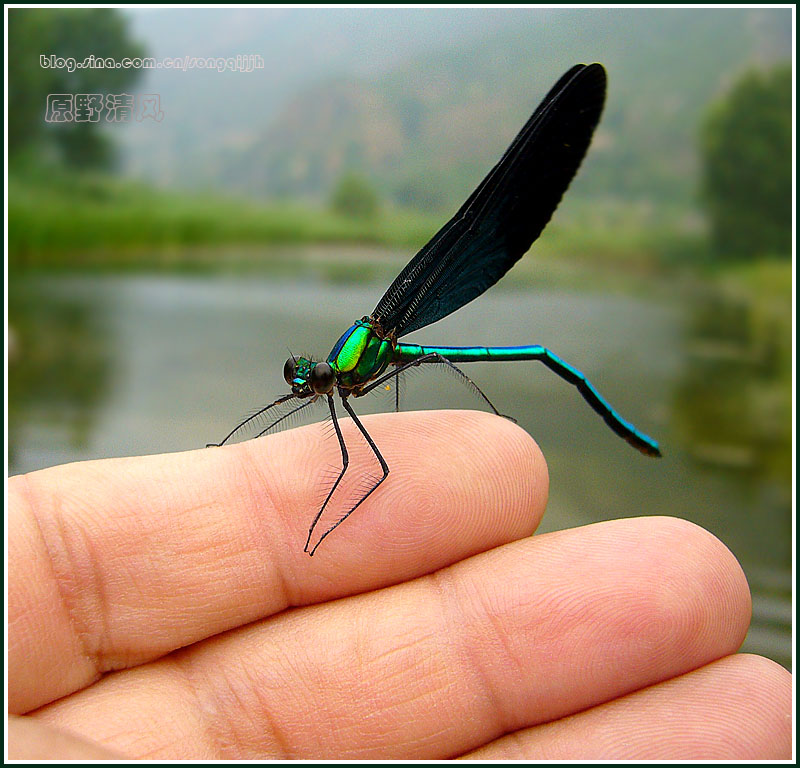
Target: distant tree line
x: 65, y: 33
x: 354, y: 197
x: 746, y: 185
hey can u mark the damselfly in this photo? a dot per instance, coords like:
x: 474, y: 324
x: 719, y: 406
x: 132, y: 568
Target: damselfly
x: 486, y: 237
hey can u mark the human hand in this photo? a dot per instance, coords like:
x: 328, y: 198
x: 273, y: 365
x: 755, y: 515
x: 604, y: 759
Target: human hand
x: 162, y: 607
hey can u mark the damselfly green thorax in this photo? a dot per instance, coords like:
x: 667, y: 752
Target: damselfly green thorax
x: 486, y: 237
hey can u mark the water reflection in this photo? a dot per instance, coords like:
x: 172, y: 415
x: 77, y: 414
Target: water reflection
x: 733, y: 410
x: 113, y: 366
x: 730, y: 405
x: 59, y: 367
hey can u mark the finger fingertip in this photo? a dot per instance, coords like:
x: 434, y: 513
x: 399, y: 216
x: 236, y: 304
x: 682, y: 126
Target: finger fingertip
x: 506, y: 453
x: 471, y: 475
x: 459, y: 483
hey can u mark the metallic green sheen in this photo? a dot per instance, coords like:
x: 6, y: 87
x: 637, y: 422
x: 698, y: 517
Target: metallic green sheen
x: 352, y: 350
x: 374, y: 360
x: 360, y: 355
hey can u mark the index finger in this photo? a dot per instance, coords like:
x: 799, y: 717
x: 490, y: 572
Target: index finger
x: 113, y: 563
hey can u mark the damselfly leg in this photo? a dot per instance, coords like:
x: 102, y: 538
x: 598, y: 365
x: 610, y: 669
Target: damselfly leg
x: 345, y: 464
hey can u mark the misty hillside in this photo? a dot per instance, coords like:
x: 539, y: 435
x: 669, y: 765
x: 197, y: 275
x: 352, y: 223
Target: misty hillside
x: 427, y: 132
x: 211, y: 115
x: 423, y: 102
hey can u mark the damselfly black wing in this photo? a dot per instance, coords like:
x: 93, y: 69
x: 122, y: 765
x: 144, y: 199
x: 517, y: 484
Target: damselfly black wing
x: 505, y: 214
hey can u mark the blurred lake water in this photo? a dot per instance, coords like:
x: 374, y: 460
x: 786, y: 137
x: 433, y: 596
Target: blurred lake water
x: 103, y: 366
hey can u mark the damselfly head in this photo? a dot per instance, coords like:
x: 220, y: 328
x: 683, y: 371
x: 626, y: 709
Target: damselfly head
x: 307, y: 378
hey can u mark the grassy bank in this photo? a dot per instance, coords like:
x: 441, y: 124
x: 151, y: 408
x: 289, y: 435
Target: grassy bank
x: 67, y: 221
x: 64, y: 221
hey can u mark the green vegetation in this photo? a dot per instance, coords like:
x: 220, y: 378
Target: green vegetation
x: 355, y: 198
x: 66, y: 33
x: 65, y: 215
x: 747, y: 170
x: 64, y: 220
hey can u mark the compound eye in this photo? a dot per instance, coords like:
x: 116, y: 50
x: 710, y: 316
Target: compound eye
x: 289, y: 368
x: 322, y: 378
